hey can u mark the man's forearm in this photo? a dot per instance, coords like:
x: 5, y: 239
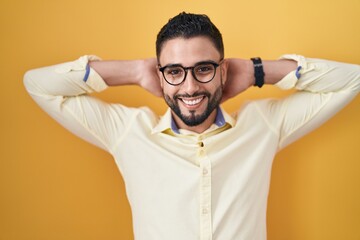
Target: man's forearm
x: 118, y: 72
x: 240, y: 74
x: 275, y: 70
x: 136, y: 72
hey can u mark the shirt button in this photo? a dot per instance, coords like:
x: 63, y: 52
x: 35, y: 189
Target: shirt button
x: 205, y: 211
x: 205, y: 171
x: 200, y: 144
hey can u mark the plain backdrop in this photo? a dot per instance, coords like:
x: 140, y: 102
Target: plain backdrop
x: 54, y: 186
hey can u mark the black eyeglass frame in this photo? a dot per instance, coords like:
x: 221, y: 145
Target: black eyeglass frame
x: 216, y: 65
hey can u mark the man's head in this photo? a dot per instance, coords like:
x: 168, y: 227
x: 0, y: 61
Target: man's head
x: 190, y: 54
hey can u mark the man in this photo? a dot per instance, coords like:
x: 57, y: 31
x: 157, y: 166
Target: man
x: 196, y: 172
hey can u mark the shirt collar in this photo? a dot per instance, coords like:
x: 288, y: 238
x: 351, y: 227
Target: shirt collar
x: 167, y: 121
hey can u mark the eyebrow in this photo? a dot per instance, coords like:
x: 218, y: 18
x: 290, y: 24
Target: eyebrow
x: 198, y: 63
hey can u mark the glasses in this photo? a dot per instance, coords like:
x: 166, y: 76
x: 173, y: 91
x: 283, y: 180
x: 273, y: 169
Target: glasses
x: 203, y: 72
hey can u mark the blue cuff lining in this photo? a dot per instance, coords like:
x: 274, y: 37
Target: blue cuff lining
x: 298, y: 74
x: 87, y: 73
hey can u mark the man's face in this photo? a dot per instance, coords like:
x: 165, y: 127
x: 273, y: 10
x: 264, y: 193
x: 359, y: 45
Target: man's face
x: 192, y: 102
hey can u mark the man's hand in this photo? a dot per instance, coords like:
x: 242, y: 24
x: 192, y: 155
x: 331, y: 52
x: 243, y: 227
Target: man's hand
x: 240, y: 76
x: 149, y: 78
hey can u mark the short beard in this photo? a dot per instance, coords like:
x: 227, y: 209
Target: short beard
x: 195, y: 120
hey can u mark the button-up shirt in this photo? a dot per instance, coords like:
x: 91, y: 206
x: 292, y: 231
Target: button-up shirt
x: 183, y: 185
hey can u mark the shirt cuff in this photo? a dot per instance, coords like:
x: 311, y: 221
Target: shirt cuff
x: 92, y: 78
x: 290, y: 80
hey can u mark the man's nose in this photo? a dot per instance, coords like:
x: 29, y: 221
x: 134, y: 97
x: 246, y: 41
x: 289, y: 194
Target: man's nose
x: 190, y: 85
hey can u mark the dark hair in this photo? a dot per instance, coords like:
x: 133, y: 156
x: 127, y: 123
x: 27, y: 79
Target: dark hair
x: 188, y: 25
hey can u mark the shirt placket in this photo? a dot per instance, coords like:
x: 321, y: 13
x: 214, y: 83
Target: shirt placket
x: 205, y: 192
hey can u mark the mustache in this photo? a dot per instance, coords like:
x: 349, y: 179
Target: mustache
x: 186, y: 95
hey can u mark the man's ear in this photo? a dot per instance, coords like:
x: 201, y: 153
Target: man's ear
x: 223, y: 71
x: 160, y: 77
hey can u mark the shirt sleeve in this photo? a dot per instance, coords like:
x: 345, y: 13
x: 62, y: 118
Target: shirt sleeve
x: 63, y: 92
x: 323, y: 88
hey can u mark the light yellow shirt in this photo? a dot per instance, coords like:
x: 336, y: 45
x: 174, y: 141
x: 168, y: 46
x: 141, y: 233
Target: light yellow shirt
x: 188, y: 186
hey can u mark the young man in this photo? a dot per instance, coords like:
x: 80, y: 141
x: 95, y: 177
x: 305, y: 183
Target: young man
x: 196, y: 172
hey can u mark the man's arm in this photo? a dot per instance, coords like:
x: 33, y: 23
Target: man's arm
x: 324, y: 87
x: 63, y: 92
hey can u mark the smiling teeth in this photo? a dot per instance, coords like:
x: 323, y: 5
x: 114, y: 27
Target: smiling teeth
x: 192, y: 102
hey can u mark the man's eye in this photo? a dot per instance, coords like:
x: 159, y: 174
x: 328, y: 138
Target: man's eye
x: 204, y: 69
x: 173, y: 72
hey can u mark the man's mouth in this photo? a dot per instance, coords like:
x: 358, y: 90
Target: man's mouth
x: 192, y: 101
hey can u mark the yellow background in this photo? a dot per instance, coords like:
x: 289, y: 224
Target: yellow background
x: 55, y: 186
